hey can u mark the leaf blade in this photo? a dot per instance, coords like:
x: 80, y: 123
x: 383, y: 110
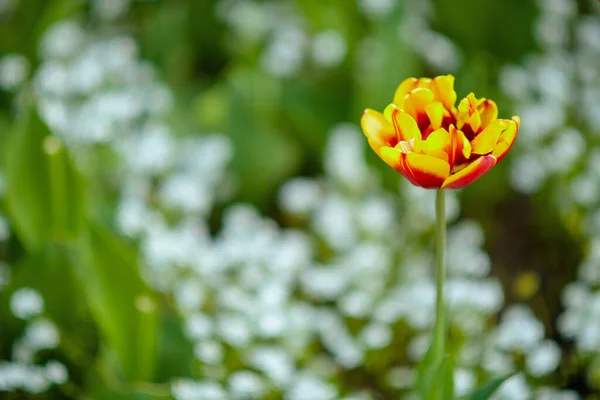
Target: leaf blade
x: 488, y: 389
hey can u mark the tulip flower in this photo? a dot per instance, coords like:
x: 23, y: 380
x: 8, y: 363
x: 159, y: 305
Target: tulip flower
x: 434, y: 144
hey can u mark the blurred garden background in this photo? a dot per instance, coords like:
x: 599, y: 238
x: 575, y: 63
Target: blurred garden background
x: 189, y: 210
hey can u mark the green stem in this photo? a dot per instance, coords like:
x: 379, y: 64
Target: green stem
x: 440, y: 250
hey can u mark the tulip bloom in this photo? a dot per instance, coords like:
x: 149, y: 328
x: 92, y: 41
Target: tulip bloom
x: 434, y: 144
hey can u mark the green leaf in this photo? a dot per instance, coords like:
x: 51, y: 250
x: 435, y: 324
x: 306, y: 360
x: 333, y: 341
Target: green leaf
x: 103, y: 385
x: 49, y: 269
x: 435, y: 379
x: 45, y: 194
x: 430, y: 364
x: 442, y: 387
x: 177, y: 355
x: 120, y: 301
x: 487, y: 390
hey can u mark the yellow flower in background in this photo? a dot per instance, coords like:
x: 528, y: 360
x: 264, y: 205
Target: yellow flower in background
x: 434, y: 144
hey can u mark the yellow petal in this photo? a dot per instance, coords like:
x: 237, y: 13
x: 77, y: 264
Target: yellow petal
x: 474, y: 121
x: 507, y: 138
x: 405, y: 125
x: 470, y: 173
x: 485, y: 142
x: 429, y: 172
x: 403, y: 89
x: 397, y: 160
x: 388, y: 112
x: 439, y: 144
x: 488, y: 111
x: 467, y: 107
x: 460, y: 149
x: 416, y: 101
x: 444, y: 90
x: 391, y: 156
x: 378, y: 130
x: 436, y: 112
x: 463, y: 113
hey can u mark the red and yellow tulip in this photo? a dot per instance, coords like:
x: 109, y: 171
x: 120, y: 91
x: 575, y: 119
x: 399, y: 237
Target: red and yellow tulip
x: 434, y: 144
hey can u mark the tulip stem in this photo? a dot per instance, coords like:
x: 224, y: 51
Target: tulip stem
x: 439, y: 338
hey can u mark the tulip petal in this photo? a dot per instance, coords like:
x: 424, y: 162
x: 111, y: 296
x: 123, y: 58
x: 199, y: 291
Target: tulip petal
x: 444, y: 90
x: 506, y: 139
x: 474, y: 121
x: 405, y: 125
x: 485, y: 142
x: 428, y: 172
x: 470, y: 173
x: 460, y: 150
x: 403, y: 89
x: 397, y: 160
x: 468, y: 115
x: 378, y: 130
x: 488, y: 111
x: 415, y: 103
x: 388, y: 112
x: 438, y: 144
x: 436, y: 112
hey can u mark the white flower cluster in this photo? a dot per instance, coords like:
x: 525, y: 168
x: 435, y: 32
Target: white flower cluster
x: 305, y: 287
x: 22, y: 373
x: 289, y: 46
x: 94, y: 90
x: 557, y: 93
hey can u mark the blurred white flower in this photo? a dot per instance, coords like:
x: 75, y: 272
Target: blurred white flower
x: 234, y: 330
x: 198, y: 326
x: 439, y: 51
x: 186, y: 389
x: 275, y: 363
x: 284, y: 55
x: 42, y: 334
x: 356, y: 304
x: 344, y: 159
x: 14, y: 69
x: 110, y: 9
x: 376, y: 335
x: 514, y: 388
x: 556, y: 394
x: 307, y: 386
x: 62, y: 40
x: 26, y: 303
x: 246, y: 384
x: 518, y: 330
x: 464, y: 381
x: 334, y: 221
x: 543, y: 359
x: 209, y: 352
x: 527, y: 173
x: 551, y: 31
x: 400, y: 377
x: 56, y: 372
x: 376, y: 8
x: 328, y: 48
x: 299, y: 196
